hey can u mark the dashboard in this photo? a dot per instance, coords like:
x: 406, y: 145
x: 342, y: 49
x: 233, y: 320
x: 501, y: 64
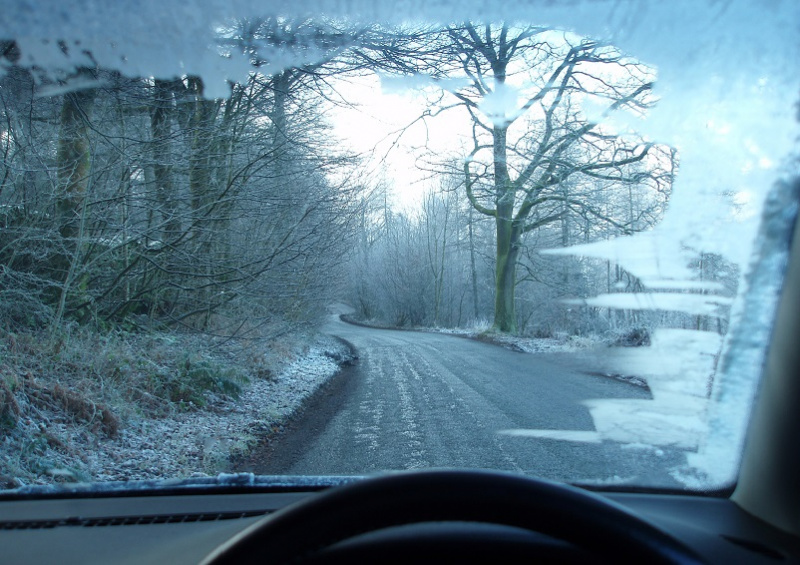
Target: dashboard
x: 186, y: 528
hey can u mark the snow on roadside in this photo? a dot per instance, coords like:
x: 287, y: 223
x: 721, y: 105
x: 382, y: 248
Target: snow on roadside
x: 200, y: 443
x: 481, y: 331
x: 561, y: 344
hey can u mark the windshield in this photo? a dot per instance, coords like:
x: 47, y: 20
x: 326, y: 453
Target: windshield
x: 318, y: 242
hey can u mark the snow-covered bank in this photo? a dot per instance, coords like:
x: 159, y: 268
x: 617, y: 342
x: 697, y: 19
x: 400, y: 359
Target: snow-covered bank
x: 198, y: 442
x: 564, y: 344
x: 201, y: 443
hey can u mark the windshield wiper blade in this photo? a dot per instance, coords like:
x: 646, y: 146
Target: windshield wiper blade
x: 222, y: 483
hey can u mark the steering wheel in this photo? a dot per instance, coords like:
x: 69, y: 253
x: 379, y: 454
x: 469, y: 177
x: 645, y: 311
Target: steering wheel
x: 304, y: 531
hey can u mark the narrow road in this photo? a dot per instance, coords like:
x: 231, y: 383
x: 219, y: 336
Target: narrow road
x: 418, y: 400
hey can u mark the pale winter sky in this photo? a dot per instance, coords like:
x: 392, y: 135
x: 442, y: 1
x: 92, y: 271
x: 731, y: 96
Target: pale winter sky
x: 378, y: 127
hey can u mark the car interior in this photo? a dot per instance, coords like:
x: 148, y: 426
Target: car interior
x: 446, y: 515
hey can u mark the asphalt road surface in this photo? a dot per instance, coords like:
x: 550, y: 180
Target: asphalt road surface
x: 419, y: 400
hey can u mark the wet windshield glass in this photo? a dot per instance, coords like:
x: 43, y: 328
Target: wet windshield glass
x: 235, y: 240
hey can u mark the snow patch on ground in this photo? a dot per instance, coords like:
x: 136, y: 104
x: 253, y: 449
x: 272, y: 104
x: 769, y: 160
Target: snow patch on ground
x: 201, y: 443
x: 559, y: 344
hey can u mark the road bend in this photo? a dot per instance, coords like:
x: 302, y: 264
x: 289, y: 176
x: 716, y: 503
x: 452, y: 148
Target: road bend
x: 419, y: 400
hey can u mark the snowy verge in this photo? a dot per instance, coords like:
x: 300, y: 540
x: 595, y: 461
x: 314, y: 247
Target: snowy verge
x: 198, y: 443
x: 560, y: 344
x: 201, y: 443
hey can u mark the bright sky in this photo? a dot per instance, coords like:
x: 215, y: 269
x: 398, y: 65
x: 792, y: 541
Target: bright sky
x: 383, y: 125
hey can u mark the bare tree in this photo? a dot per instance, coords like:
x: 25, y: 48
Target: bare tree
x: 168, y: 205
x: 530, y: 137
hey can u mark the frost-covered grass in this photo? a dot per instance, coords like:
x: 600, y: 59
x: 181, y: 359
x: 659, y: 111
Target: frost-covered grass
x: 88, y: 407
x: 559, y: 343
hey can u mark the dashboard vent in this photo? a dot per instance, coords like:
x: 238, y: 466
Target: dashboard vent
x: 128, y: 520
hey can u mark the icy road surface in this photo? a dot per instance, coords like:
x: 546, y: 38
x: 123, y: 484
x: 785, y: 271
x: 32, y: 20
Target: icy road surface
x: 418, y: 400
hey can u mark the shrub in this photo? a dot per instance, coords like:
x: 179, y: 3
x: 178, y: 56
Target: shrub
x: 9, y: 408
x: 633, y: 337
x: 188, y: 383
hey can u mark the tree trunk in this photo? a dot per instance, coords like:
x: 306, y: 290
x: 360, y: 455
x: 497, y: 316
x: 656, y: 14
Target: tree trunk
x: 508, y: 238
x: 505, y: 316
x: 169, y: 223
x: 224, y: 148
x: 73, y: 159
x: 201, y: 179
x: 200, y: 162
x: 473, y: 270
x: 73, y: 162
x: 161, y: 131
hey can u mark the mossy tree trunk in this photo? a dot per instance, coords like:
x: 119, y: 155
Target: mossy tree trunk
x: 73, y: 159
x: 505, y: 317
x: 161, y: 120
x: 73, y: 170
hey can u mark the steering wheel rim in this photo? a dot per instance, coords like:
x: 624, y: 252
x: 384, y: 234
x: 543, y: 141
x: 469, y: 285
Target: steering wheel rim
x: 579, y: 517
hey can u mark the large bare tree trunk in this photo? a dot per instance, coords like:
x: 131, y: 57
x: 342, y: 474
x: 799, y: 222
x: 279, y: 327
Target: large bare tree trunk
x: 74, y: 163
x: 73, y: 159
x: 200, y: 163
x: 505, y: 316
x: 161, y: 130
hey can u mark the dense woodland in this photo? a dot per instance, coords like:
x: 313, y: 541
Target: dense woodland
x: 138, y: 202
